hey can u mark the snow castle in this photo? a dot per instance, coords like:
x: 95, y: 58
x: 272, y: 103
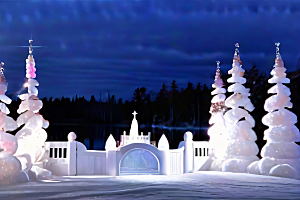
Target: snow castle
x: 134, y: 134
x: 134, y: 155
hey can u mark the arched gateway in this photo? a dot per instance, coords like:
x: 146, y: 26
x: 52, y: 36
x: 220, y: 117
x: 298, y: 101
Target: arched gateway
x: 139, y: 158
x: 139, y: 161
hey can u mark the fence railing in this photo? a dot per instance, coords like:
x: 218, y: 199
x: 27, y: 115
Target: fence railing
x: 126, y: 139
x: 72, y: 158
x: 176, y: 161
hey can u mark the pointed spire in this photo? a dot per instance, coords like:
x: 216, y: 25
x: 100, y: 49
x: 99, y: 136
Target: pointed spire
x: 134, y: 129
x: 236, y: 57
x: 134, y: 114
x: 218, y: 81
x: 278, y: 60
x: 277, y: 50
x: 163, y: 143
x: 30, y: 47
x: 30, y: 63
x: 237, y: 49
x: 110, y: 143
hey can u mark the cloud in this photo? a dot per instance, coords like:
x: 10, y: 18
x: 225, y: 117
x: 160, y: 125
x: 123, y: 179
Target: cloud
x: 121, y: 45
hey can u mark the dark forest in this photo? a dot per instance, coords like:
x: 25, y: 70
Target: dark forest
x: 170, y: 106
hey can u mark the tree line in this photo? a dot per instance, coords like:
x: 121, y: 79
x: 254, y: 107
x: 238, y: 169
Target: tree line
x: 170, y: 106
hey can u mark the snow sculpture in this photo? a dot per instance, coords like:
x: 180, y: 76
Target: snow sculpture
x: 31, y: 138
x: 188, y: 162
x: 10, y: 166
x: 281, y: 155
x: 134, y: 126
x: 163, y: 143
x: 110, y: 143
x: 241, y: 148
x: 72, y: 136
x: 217, y: 139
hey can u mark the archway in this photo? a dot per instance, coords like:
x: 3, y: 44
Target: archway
x: 139, y: 161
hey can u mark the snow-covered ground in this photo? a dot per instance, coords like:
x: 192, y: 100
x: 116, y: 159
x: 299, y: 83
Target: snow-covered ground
x: 206, y: 185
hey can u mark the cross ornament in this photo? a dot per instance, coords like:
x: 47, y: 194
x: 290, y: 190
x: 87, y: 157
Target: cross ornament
x: 134, y: 114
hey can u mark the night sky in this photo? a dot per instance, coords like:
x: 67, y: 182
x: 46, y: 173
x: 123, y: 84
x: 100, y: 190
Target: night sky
x: 94, y: 46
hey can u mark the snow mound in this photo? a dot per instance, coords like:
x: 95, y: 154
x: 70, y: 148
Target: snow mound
x: 284, y: 170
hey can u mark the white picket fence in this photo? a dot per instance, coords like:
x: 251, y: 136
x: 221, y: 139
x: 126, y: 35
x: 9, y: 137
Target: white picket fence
x: 201, y: 153
x: 72, y: 158
x: 176, y: 161
x: 59, y: 157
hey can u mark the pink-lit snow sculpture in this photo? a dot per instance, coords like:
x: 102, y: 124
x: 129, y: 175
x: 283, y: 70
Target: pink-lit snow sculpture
x: 241, y: 149
x: 32, y: 151
x: 217, y: 139
x: 281, y: 155
x: 10, y: 166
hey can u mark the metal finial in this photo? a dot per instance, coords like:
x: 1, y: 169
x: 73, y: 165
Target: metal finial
x: 1, y: 71
x: 1, y: 67
x: 237, y: 49
x: 277, y: 49
x: 30, y: 47
x: 218, y: 64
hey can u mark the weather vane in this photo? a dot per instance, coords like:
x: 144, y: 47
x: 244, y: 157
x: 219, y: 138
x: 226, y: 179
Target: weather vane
x: 277, y: 49
x: 30, y: 46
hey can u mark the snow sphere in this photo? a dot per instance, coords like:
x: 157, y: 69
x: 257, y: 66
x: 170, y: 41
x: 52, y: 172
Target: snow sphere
x: 71, y: 136
x: 253, y: 168
x: 216, y: 165
x: 34, y: 105
x: 235, y: 165
x: 284, y: 170
x: 10, y: 168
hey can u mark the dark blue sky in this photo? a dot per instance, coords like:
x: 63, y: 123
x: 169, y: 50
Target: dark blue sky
x: 116, y: 46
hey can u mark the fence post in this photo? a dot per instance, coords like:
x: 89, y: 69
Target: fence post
x: 188, y: 152
x: 111, y: 164
x: 72, y: 154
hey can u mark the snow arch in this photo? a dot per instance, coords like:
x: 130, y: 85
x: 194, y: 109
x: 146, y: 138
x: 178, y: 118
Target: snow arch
x: 139, y: 161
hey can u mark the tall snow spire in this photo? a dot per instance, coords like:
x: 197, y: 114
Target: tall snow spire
x: 217, y: 108
x: 278, y: 60
x: 30, y: 47
x: 277, y: 50
x: 236, y: 57
x: 134, y: 130
x: 30, y: 63
x: 218, y: 80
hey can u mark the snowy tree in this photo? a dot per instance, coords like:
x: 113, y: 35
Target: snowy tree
x: 31, y: 138
x: 217, y: 139
x: 10, y: 166
x: 281, y: 155
x: 241, y: 149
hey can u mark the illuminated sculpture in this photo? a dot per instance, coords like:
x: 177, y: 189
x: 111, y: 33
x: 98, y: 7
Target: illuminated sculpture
x: 10, y: 166
x: 281, y: 156
x: 31, y: 138
x: 241, y: 149
x: 217, y: 109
